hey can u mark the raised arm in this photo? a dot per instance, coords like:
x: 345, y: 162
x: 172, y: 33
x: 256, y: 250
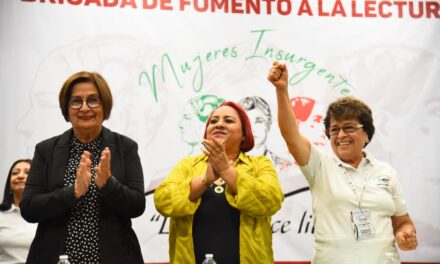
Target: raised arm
x: 299, y: 146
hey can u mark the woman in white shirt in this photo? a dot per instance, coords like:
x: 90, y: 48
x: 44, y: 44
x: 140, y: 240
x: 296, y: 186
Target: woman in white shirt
x: 358, y: 207
x: 15, y: 233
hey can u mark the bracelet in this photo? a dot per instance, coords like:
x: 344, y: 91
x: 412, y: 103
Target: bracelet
x: 205, y: 182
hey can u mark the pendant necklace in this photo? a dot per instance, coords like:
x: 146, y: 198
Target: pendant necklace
x: 219, y: 188
x: 220, y: 182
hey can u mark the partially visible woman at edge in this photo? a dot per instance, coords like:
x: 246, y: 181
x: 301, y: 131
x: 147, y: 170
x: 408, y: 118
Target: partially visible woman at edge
x: 359, y: 211
x: 15, y: 233
x: 86, y: 184
x: 221, y: 201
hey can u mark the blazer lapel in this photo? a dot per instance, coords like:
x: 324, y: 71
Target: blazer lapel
x: 109, y: 141
x: 60, y: 159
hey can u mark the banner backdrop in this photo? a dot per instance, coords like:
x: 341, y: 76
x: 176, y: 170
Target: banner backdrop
x: 170, y: 62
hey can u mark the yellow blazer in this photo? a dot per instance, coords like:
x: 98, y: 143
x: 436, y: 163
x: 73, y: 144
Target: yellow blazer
x: 258, y: 197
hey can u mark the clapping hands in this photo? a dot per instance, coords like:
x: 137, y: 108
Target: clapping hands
x: 84, y: 172
x: 218, y: 159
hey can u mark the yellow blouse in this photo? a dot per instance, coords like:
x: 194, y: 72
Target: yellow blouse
x: 258, y: 197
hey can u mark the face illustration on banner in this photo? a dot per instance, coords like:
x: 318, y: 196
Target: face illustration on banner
x: 116, y: 58
x: 258, y: 111
x: 43, y: 118
x: 195, y: 114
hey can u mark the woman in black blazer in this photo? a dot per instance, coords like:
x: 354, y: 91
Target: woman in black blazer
x: 86, y: 184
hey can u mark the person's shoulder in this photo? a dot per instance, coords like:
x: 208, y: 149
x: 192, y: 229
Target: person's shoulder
x: 48, y: 143
x: 118, y: 137
x: 255, y: 159
x: 379, y: 167
x: 376, y: 162
x: 380, y: 164
x: 3, y: 216
x: 7, y: 211
x: 194, y: 159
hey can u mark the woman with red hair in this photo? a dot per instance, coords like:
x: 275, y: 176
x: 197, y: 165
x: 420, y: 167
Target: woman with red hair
x: 221, y: 201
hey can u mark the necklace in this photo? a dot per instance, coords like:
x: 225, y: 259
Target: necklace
x: 220, y: 182
x: 353, y: 188
x: 219, y: 188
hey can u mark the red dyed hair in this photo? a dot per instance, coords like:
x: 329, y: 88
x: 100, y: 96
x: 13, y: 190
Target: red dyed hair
x: 248, y: 142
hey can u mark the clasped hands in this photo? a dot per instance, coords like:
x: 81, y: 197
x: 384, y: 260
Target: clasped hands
x: 84, y: 172
x: 218, y: 160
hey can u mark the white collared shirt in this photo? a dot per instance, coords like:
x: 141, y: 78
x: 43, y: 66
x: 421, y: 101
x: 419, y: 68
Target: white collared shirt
x: 16, y: 236
x: 334, y: 199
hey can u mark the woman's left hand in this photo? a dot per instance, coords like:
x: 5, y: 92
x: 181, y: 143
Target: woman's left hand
x: 103, y: 172
x: 215, y: 150
x: 406, y: 239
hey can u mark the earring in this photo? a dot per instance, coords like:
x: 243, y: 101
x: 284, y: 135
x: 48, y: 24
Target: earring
x: 367, y: 141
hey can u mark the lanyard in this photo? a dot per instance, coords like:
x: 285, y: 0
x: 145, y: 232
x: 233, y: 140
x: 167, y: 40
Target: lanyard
x: 353, y: 188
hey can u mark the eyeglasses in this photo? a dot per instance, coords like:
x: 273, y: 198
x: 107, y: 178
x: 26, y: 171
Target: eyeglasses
x: 334, y: 131
x: 77, y: 102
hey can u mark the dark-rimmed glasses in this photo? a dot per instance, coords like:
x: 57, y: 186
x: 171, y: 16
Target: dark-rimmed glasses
x: 334, y: 131
x: 77, y: 102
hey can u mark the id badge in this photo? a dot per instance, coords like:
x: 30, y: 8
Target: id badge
x: 361, y: 220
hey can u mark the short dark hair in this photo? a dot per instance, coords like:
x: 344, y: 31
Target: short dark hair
x: 349, y: 107
x: 248, y: 142
x: 86, y: 77
x: 7, y: 195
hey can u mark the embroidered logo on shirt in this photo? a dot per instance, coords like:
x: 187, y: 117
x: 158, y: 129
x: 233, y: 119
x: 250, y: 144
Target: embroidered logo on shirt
x: 383, y: 181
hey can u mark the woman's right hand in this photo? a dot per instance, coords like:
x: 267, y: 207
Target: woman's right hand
x: 83, y: 175
x: 278, y: 75
x: 210, y: 175
x: 218, y: 159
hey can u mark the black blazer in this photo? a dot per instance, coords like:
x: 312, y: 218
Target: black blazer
x: 47, y: 201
